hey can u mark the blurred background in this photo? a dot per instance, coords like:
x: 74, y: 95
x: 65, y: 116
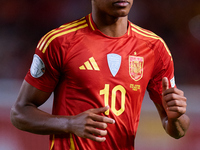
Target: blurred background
x: 24, y: 22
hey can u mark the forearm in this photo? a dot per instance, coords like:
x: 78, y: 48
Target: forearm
x: 88, y: 124
x: 177, y: 127
x: 32, y: 119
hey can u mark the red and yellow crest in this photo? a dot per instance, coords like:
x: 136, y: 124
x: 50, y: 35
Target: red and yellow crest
x: 136, y: 67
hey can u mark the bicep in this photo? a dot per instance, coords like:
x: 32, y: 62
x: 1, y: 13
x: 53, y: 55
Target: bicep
x: 29, y: 95
x: 24, y: 114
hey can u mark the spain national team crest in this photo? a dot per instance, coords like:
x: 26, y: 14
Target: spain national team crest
x: 136, y: 67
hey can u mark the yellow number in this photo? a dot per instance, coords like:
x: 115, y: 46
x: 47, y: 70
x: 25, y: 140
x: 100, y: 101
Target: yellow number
x: 105, y: 92
x: 113, y: 102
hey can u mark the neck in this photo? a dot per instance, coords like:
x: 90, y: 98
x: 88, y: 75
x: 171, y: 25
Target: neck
x: 111, y: 26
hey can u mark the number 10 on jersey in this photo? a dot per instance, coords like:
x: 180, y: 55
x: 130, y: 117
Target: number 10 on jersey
x: 114, y: 91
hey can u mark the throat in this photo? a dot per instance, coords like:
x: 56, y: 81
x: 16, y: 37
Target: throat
x: 114, y: 29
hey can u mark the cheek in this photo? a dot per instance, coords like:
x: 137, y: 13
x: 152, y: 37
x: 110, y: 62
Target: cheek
x: 102, y: 6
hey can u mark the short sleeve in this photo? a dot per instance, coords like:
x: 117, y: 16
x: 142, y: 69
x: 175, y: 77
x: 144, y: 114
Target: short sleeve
x: 45, y: 69
x: 163, y: 67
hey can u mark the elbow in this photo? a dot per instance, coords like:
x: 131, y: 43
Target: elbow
x: 15, y: 118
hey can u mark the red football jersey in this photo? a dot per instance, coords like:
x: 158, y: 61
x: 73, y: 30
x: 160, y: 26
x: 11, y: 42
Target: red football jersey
x: 87, y: 69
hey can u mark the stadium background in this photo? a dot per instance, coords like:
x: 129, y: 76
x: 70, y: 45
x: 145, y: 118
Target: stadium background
x: 24, y: 22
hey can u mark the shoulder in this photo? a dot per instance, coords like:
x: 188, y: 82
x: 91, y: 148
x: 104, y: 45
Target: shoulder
x: 62, y: 34
x: 152, y: 39
x: 145, y: 34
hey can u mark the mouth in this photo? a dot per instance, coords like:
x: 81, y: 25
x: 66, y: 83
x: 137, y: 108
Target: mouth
x: 121, y: 3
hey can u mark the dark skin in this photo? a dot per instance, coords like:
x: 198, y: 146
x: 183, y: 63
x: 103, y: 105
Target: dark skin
x: 172, y: 111
x: 111, y: 19
x: 26, y: 116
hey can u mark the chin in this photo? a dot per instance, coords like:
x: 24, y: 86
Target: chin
x: 121, y: 14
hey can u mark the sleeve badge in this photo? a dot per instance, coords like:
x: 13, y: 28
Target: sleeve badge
x: 37, y: 67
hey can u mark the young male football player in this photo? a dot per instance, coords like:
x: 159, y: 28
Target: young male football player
x: 99, y: 68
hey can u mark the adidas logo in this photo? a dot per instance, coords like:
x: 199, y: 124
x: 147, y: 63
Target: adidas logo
x: 90, y: 65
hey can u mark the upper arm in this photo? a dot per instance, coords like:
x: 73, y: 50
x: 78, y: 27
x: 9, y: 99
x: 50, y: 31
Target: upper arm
x: 26, y: 105
x: 31, y: 96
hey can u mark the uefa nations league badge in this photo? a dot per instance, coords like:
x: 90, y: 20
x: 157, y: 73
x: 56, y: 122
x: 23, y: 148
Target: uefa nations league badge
x: 37, y: 67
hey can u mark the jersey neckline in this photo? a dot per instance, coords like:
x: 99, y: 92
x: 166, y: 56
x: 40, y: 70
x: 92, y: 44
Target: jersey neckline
x: 94, y: 28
